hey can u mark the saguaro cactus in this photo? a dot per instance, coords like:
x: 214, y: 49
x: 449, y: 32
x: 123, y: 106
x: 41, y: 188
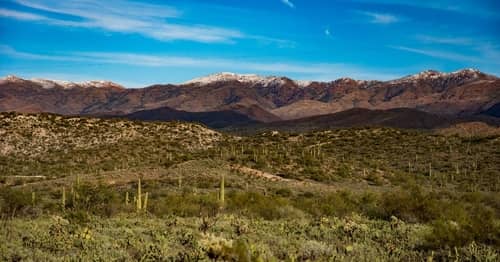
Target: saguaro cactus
x: 139, y: 195
x: 126, y: 198
x: 77, y: 181
x: 73, y: 195
x: 33, y: 198
x: 63, y: 198
x: 145, y: 207
x: 221, y: 191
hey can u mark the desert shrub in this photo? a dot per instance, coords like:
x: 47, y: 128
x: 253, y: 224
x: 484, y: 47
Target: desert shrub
x: 254, y: 204
x: 79, y: 217
x: 284, y: 192
x: 478, y: 225
x: 343, y: 171
x: 333, y: 204
x: 307, y: 194
x: 185, y: 205
x: 99, y: 200
x: 14, y: 202
x: 411, y: 205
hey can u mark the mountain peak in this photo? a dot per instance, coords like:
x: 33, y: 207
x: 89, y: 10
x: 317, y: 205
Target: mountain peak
x: 12, y: 78
x: 465, y: 74
x: 48, y: 83
x: 469, y: 70
x: 243, y: 78
x: 427, y: 74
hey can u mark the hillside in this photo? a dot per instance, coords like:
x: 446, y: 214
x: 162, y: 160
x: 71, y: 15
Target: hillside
x: 493, y: 111
x: 52, y: 145
x: 217, y: 119
x: 69, y: 188
x: 83, y: 144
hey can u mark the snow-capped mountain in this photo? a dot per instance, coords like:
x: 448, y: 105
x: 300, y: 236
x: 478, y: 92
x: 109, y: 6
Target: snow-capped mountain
x: 48, y: 83
x: 263, y: 98
x: 244, y: 78
x: 465, y: 74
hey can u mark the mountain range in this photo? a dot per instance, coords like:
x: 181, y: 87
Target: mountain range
x: 227, y: 99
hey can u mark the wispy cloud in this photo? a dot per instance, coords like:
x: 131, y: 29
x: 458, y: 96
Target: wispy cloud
x: 468, y: 7
x: 453, y: 56
x: 20, y: 15
x: 380, y: 18
x: 288, y: 3
x: 315, y: 71
x: 485, y: 50
x: 122, y: 16
x: 11, y: 52
x: 429, y: 39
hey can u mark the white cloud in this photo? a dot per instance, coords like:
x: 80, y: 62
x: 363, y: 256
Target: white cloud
x: 315, y: 71
x: 485, y: 51
x: 445, y: 40
x: 288, y: 3
x: 9, y: 51
x: 381, y: 18
x: 20, y: 15
x: 453, y: 56
x: 467, y: 7
x: 122, y: 16
x: 94, y: 8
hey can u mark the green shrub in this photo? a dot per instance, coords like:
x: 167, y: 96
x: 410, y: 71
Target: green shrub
x: 14, y: 202
x: 254, y: 204
x: 411, y: 205
x: 284, y: 192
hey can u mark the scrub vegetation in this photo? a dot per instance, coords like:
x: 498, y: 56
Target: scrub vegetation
x: 75, y: 188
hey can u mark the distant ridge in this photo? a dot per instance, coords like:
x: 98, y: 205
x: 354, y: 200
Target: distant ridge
x: 458, y: 94
x: 359, y: 117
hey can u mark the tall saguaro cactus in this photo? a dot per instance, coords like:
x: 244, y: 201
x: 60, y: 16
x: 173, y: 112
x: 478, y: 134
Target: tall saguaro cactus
x: 145, y: 206
x: 139, y: 195
x: 221, y: 191
x: 33, y: 198
x: 63, y: 198
x: 77, y: 181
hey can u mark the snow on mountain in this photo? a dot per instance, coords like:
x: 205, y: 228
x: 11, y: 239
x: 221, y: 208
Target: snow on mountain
x: 243, y: 78
x: 303, y: 83
x: 48, y: 83
x: 433, y: 74
x: 12, y: 78
x: 266, y: 81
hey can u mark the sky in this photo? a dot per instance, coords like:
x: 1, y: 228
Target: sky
x: 138, y: 43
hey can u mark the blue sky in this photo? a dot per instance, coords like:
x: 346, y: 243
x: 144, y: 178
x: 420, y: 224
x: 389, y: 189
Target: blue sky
x: 137, y: 43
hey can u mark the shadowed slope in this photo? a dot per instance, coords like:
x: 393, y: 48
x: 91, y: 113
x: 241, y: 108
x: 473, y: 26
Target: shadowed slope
x: 360, y: 117
x: 216, y: 119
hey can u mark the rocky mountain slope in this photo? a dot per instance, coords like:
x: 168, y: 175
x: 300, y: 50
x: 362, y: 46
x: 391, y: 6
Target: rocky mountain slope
x: 264, y: 99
